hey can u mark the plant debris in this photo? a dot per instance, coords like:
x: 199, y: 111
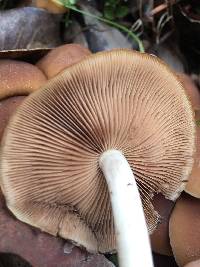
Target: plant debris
x: 28, y: 28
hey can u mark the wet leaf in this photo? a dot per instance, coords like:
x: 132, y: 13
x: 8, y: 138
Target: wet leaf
x: 29, y: 55
x: 101, y: 36
x: 28, y: 27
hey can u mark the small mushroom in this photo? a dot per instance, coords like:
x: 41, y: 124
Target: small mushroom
x: 7, y: 108
x: 160, y: 237
x: 62, y: 57
x: 53, y: 6
x: 116, y: 122
x: 193, y: 264
x: 19, y: 78
x: 184, y: 230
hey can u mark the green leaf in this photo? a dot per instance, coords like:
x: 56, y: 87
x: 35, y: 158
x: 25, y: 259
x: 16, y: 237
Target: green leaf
x: 72, y: 2
x: 69, y: 2
x: 113, y: 259
x: 113, y: 3
x: 109, y: 13
x: 121, y: 11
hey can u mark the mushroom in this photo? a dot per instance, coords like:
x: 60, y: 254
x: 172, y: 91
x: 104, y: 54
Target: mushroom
x: 19, y: 78
x: 191, y: 90
x: 40, y: 249
x: 160, y: 237
x: 193, y: 185
x: 12, y: 81
x: 62, y: 57
x: 7, y: 108
x: 116, y: 122
x: 53, y: 6
x: 184, y: 230
x: 193, y: 264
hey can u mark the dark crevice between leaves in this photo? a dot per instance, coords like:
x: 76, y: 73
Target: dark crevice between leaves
x: 12, y: 260
x: 7, y: 4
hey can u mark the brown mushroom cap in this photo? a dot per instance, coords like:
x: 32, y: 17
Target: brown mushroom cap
x: 7, y: 107
x: 52, y: 6
x: 160, y: 237
x: 117, y: 99
x: 19, y: 78
x: 193, y: 184
x: 62, y: 57
x: 193, y: 264
x: 184, y: 230
x: 191, y: 89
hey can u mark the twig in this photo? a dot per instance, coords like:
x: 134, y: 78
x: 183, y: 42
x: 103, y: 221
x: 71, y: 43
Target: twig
x: 161, y: 7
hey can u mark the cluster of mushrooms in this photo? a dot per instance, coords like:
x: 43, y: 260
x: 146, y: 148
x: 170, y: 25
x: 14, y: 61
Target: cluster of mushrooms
x: 100, y: 151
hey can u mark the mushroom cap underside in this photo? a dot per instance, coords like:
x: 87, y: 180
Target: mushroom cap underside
x: 119, y: 99
x: 193, y: 184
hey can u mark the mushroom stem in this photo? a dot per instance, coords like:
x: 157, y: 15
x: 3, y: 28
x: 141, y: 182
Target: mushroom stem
x: 130, y: 225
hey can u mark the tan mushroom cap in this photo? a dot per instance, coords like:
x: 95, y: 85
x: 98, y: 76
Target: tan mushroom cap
x: 193, y: 185
x: 191, y: 89
x: 52, y: 6
x: 193, y: 264
x: 160, y: 237
x: 184, y: 230
x: 7, y: 108
x: 117, y: 99
x: 62, y: 57
x: 19, y: 78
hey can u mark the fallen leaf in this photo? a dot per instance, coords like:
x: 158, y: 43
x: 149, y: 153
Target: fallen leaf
x: 28, y: 27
